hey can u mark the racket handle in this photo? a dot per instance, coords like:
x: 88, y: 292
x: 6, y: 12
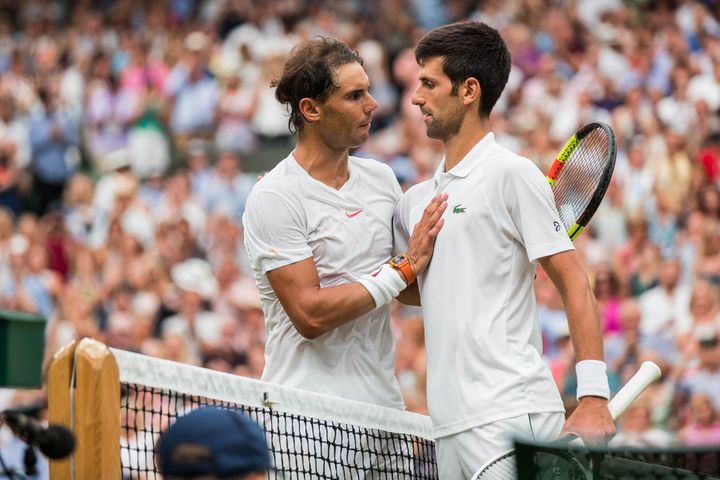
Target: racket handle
x: 574, y: 441
x: 647, y: 374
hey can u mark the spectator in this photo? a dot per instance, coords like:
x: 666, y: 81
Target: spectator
x: 637, y: 430
x: 647, y: 271
x: 235, y: 110
x: 665, y: 307
x: 109, y: 108
x: 14, y: 155
x: 202, y: 329
x: 198, y: 163
x: 194, y: 92
x: 210, y: 443
x: 79, y: 210
x: 703, y: 427
x: 704, y: 377
x: 228, y: 187
x: 607, y: 293
x: 636, y: 179
x: 6, y: 232
x: 704, y: 313
x: 52, y: 135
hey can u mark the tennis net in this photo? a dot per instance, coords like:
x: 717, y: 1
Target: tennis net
x: 310, y: 436
x: 550, y: 461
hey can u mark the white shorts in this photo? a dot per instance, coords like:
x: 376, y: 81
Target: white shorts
x: 461, y: 455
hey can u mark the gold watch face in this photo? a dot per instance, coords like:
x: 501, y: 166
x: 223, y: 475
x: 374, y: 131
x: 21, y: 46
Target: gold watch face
x: 400, y: 259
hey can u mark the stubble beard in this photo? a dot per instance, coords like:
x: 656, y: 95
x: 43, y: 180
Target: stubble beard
x: 444, y: 130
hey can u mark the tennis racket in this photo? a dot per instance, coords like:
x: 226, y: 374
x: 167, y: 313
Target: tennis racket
x: 504, y: 467
x: 581, y: 173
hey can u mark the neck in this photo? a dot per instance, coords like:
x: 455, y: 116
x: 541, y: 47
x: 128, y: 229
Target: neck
x: 322, y: 162
x: 472, y: 130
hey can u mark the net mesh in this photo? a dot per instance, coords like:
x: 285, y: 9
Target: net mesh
x: 310, y: 445
x: 576, y: 185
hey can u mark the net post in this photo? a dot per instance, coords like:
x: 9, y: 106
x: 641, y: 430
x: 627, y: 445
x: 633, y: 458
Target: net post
x: 59, y: 376
x: 91, y: 409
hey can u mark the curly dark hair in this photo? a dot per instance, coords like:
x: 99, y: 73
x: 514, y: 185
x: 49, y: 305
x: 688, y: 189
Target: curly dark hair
x: 309, y: 72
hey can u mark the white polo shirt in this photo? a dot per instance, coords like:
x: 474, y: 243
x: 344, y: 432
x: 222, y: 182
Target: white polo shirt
x: 289, y: 217
x: 482, y: 334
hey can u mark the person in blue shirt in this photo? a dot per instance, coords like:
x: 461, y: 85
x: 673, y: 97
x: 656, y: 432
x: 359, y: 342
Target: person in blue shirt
x: 52, y: 133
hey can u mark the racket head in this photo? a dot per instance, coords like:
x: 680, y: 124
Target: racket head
x: 581, y: 173
x: 547, y: 465
x: 500, y: 467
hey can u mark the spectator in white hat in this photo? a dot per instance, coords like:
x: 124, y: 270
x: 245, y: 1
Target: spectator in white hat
x: 196, y: 283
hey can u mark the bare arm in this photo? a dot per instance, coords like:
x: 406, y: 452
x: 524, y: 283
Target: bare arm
x: 411, y: 295
x: 568, y: 275
x: 315, y: 310
x: 591, y: 420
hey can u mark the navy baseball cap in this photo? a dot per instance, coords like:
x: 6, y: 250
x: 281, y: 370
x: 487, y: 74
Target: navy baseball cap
x: 212, y: 441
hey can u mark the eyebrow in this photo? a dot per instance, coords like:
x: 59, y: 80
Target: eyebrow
x: 356, y: 90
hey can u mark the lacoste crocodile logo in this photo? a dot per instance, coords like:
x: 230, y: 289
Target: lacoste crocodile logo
x: 459, y: 208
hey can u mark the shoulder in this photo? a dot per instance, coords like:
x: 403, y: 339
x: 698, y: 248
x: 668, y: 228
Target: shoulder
x: 278, y: 194
x: 507, y: 162
x: 514, y: 175
x: 277, y: 181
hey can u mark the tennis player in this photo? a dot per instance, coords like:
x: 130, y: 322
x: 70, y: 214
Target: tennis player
x: 318, y: 231
x: 487, y: 382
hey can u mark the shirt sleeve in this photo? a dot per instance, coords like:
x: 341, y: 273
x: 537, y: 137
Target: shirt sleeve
x: 533, y: 212
x: 275, y: 230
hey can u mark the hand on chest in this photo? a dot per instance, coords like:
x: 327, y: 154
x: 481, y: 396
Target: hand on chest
x: 468, y: 214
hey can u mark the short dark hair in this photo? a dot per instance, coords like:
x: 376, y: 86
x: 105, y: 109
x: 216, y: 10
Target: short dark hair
x: 309, y: 72
x: 470, y: 49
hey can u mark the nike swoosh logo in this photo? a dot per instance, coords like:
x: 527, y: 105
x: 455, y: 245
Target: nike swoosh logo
x: 353, y: 214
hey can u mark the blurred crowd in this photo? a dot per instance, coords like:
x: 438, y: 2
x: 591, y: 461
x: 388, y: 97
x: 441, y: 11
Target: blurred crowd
x: 124, y: 126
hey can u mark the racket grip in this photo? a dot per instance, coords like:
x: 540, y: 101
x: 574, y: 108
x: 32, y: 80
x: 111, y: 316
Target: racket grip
x: 575, y: 441
x: 647, y: 374
x: 569, y: 440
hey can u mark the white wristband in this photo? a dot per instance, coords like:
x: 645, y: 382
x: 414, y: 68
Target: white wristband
x: 592, y: 379
x: 383, y: 285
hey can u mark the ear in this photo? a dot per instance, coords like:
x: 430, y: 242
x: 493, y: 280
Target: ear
x: 470, y: 91
x: 309, y: 110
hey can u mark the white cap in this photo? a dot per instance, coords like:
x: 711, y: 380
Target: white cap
x: 18, y: 244
x: 245, y: 295
x: 116, y: 159
x: 196, y: 41
x: 194, y: 275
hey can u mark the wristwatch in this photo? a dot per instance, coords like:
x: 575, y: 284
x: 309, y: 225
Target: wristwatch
x: 403, y: 264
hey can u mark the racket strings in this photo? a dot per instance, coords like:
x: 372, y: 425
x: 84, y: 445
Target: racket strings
x: 578, y: 181
x: 504, y: 468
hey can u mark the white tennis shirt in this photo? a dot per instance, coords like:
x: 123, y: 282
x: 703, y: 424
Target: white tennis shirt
x: 482, y: 334
x: 289, y: 217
